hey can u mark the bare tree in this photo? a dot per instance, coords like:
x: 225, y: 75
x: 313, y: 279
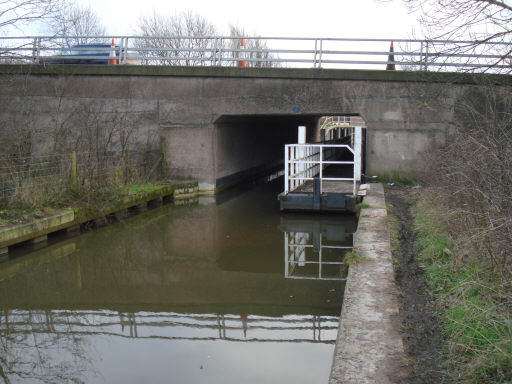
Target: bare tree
x: 15, y: 14
x: 487, y: 24
x: 175, y: 39
x: 74, y: 24
x: 257, y: 52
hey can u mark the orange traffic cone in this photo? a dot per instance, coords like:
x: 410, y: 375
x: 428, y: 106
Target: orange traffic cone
x: 391, y: 59
x: 112, y: 56
x: 241, y: 63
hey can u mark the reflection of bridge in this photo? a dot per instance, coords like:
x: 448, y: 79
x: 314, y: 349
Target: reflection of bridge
x: 171, y: 326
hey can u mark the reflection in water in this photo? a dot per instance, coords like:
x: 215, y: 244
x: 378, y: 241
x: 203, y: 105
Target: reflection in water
x: 178, y: 294
x: 172, y: 326
x: 314, y: 246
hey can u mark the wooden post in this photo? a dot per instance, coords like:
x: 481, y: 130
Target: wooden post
x: 73, y: 172
x: 164, y: 157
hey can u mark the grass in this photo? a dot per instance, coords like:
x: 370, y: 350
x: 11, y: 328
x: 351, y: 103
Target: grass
x: 20, y: 215
x: 29, y: 206
x: 394, y: 230
x: 361, y: 205
x: 470, y: 303
x: 396, y: 177
x: 133, y: 189
x: 352, y: 258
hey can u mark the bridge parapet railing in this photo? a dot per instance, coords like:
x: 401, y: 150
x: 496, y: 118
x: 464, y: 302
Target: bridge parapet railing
x: 290, y: 52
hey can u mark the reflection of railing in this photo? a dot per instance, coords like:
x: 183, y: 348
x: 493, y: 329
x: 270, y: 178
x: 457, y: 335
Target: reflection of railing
x: 172, y: 326
x: 314, y: 249
x: 298, y: 253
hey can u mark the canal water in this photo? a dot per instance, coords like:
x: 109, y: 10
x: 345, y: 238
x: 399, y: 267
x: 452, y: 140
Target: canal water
x: 228, y: 290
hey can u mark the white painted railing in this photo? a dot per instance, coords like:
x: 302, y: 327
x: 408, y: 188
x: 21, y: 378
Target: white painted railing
x: 305, y: 162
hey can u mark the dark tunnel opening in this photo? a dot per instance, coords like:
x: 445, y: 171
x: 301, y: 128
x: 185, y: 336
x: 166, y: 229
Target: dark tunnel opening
x: 252, y: 146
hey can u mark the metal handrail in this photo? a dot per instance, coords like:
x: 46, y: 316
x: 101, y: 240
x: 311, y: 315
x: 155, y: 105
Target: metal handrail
x: 409, y: 54
x: 298, y: 171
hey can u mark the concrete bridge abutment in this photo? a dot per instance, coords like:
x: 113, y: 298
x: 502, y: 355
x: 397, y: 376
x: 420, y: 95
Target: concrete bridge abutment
x: 223, y: 125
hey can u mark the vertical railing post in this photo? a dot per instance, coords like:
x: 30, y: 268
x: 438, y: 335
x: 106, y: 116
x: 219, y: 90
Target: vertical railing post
x: 315, y: 53
x: 320, y: 54
x: 357, y: 156
x: 221, y: 44
x: 286, y: 257
x: 321, y: 168
x: 320, y: 259
x: 125, y: 58
x: 421, y: 55
x: 286, y: 167
x: 426, y: 56
x: 34, y: 50
x: 215, y: 48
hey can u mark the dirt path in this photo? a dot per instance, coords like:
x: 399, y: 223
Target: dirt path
x: 421, y: 339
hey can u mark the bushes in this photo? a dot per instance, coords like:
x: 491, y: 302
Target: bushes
x: 473, y: 176
x: 464, y: 226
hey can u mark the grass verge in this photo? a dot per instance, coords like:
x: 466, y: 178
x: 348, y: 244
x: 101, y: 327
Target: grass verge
x: 471, y: 302
x: 398, y: 178
x: 40, y: 205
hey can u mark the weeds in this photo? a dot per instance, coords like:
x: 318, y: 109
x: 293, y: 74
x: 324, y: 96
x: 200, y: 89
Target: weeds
x: 361, y: 205
x: 394, y: 229
x: 398, y: 178
x: 352, y: 257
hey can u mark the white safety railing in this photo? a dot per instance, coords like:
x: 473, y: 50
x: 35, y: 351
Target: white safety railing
x: 309, y: 52
x: 305, y: 162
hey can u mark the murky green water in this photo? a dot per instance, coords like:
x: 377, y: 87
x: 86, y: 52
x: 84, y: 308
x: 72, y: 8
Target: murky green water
x: 223, y: 292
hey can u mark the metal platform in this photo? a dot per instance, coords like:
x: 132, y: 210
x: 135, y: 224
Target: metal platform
x: 337, y: 196
x: 328, y: 186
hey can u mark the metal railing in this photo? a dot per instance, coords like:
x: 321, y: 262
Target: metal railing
x: 305, y: 162
x: 408, y: 54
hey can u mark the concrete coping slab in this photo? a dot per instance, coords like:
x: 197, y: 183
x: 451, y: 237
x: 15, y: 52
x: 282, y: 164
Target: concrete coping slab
x: 369, y: 347
x: 39, y: 227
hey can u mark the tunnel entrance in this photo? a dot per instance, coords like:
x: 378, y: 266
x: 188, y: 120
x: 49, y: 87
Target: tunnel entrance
x: 251, y: 146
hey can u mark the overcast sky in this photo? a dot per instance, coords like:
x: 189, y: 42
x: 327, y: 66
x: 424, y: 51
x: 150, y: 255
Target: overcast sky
x: 290, y: 18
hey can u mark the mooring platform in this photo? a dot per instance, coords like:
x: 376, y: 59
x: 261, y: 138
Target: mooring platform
x: 323, y: 177
x: 334, y: 196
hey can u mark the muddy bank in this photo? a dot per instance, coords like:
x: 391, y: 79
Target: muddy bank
x: 422, y: 341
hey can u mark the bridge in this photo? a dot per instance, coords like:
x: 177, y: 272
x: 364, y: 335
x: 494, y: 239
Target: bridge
x: 224, y: 124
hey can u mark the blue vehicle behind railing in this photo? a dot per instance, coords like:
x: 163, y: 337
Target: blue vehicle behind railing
x: 86, y: 54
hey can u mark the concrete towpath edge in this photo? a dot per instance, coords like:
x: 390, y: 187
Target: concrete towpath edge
x: 369, y: 347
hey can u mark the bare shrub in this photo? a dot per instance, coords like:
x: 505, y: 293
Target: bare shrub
x: 474, y: 174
